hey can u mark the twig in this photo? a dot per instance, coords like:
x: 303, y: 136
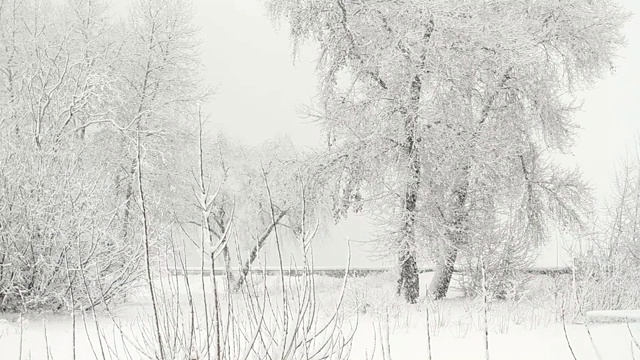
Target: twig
x: 633, y: 338
x: 375, y: 345
x: 147, y: 248
x: 387, y: 341
x: 485, y: 308
x: 21, y: 338
x: 73, y: 309
x: 46, y: 339
x: 91, y: 301
x: 593, y: 343
x: 566, y: 336
x: 428, y: 334
x: 275, y: 230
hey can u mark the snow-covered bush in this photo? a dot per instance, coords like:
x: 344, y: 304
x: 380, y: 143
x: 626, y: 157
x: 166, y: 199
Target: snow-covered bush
x: 373, y: 294
x: 59, y: 243
x: 607, y: 261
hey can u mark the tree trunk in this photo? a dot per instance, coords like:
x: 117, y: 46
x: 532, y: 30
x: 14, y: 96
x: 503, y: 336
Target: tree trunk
x: 444, y: 272
x: 227, y: 264
x: 409, y: 282
x: 444, y: 269
x: 456, y: 237
x: 256, y: 248
x: 219, y: 219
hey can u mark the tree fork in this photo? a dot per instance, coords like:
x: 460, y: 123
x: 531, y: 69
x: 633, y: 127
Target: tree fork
x: 218, y: 219
x: 444, y: 269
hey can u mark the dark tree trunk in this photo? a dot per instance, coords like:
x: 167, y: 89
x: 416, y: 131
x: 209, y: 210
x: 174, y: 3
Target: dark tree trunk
x: 444, y: 272
x: 455, y: 238
x: 227, y: 264
x: 409, y: 282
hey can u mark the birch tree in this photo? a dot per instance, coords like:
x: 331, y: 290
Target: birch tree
x: 442, y: 114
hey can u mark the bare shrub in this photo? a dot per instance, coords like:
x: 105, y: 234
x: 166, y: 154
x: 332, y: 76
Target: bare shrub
x: 607, y: 260
x: 505, y: 257
x: 373, y: 295
x: 256, y: 321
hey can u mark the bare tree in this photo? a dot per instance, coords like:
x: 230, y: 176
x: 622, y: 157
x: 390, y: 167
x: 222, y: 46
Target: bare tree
x: 279, y: 164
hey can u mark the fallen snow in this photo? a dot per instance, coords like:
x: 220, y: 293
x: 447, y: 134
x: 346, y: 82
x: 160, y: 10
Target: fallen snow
x: 517, y: 331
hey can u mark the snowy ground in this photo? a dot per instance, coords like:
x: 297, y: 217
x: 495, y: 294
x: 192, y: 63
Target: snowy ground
x: 523, y: 330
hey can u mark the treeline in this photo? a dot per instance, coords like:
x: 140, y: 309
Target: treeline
x: 102, y: 146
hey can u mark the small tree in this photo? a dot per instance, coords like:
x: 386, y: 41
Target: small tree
x: 281, y: 193
x: 606, y: 257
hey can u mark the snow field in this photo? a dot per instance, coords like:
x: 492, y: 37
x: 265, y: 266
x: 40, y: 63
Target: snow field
x: 517, y: 329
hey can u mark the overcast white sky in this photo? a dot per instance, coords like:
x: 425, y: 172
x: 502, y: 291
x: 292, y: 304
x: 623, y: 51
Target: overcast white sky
x: 260, y: 89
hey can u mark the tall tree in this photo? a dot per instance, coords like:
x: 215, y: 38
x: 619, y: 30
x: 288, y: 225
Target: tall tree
x: 160, y: 87
x: 442, y: 113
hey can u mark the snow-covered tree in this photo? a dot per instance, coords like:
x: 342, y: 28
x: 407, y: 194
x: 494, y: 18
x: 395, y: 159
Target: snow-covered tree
x: 441, y: 115
x: 76, y: 88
